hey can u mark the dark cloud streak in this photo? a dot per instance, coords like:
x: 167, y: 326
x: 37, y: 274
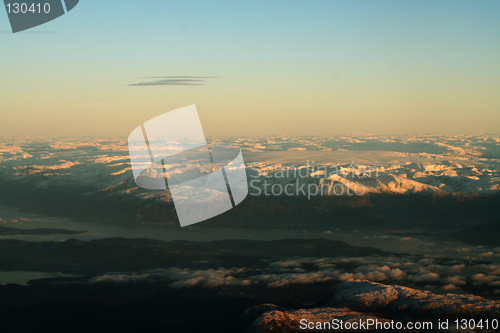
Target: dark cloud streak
x: 181, y: 80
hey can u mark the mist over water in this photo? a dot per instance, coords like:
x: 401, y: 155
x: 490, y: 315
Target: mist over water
x: 396, y: 241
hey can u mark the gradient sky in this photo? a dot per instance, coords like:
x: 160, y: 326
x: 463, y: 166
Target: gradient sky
x: 265, y: 67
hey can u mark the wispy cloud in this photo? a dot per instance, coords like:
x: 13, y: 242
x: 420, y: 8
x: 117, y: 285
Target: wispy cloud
x: 182, y: 80
x: 433, y: 273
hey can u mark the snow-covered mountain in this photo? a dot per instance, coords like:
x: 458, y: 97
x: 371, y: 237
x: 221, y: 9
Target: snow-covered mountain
x: 356, y: 301
x: 328, y: 166
x: 376, y: 164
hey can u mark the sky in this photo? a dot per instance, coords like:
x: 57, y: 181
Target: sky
x: 310, y: 67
